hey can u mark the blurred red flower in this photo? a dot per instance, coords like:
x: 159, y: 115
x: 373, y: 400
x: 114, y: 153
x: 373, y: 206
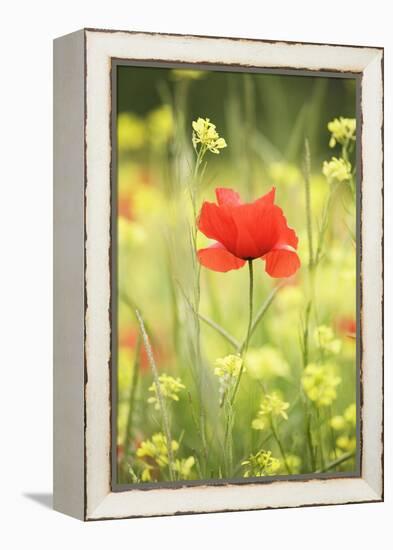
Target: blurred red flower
x: 247, y: 232
x: 347, y: 326
x: 128, y: 338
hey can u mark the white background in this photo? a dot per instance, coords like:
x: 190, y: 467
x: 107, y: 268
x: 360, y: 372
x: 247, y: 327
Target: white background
x: 26, y: 274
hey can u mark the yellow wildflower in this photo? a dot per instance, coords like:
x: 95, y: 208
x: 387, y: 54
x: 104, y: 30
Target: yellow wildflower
x: 228, y: 366
x: 346, y: 443
x: 271, y: 405
x: 343, y: 131
x: 184, y: 467
x: 337, y: 422
x: 131, y: 132
x: 160, y: 124
x: 294, y: 462
x: 320, y: 383
x: 324, y: 339
x: 350, y: 414
x: 169, y: 387
x: 153, y: 453
x: 337, y: 169
x: 261, y: 464
x: 266, y: 362
x: 205, y: 133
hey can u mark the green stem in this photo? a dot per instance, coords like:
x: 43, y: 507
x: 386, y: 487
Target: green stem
x: 332, y: 438
x: 280, y: 445
x: 307, y: 171
x: 320, y: 438
x: 337, y: 462
x: 312, y: 262
x: 261, y: 312
x: 131, y: 406
x: 248, y: 333
x: 309, y: 440
x: 161, y: 400
x: 218, y: 328
x: 325, y: 218
x: 229, y: 416
x: 197, y: 296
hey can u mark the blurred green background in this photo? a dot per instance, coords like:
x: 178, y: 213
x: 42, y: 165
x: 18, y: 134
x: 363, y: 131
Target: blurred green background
x: 264, y: 119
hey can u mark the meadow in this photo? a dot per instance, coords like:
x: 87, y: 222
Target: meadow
x: 236, y: 275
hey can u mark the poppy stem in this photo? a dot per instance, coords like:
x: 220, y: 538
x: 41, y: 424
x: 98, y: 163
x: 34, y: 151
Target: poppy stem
x: 250, y: 305
x: 249, y: 327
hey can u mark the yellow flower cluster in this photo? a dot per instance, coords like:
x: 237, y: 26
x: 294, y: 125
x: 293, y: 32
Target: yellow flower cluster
x: 228, y: 366
x: 347, y: 420
x: 169, y: 387
x: 134, y: 132
x: 343, y: 131
x: 294, y: 463
x: 153, y: 454
x: 183, y: 467
x: 325, y: 340
x: 319, y: 383
x: 271, y: 405
x: 337, y: 169
x: 261, y: 464
x: 160, y: 125
x: 266, y: 362
x: 283, y: 173
x: 205, y: 133
x: 345, y: 424
x: 131, y: 132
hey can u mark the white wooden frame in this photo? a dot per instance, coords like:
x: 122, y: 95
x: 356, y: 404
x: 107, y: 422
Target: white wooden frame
x: 82, y: 399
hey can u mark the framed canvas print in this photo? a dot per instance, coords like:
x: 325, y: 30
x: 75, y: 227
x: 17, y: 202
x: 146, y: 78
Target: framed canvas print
x: 218, y: 274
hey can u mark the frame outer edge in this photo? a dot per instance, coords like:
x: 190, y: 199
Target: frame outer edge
x: 103, y: 504
x: 68, y: 290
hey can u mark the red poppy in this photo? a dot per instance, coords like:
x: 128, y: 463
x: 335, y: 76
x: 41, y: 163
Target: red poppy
x: 347, y: 326
x: 247, y: 232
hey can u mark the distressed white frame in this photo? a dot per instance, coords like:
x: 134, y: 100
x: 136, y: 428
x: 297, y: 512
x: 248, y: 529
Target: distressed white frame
x: 100, y: 47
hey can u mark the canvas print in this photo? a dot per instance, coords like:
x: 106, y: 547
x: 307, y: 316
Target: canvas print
x: 234, y: 346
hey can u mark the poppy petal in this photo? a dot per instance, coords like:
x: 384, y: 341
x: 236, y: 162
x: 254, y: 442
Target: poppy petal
x: 287, y: 234
x: 216, y: 223
x: 217, y: 258
x: 282, y: 261
x: 227, y: 196
x: 268, y: 198
x: 258, y: 229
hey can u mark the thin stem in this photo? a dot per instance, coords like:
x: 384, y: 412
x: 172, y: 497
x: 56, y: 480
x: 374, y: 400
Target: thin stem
x: 280, y: 445
x: 319, y: 430
x: 161, y: 400
x: 224, y: 333
x: 307, y: 171
x: 325, y: 215
x: 332, y: 439
x: 341, y: 460
x: 312, y: 262
x: 131, y: 406
x: 231, y: 399
x: 261, y: 312
x: 197, y: 294
x: 309, y: 439
x: 248, y: 333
